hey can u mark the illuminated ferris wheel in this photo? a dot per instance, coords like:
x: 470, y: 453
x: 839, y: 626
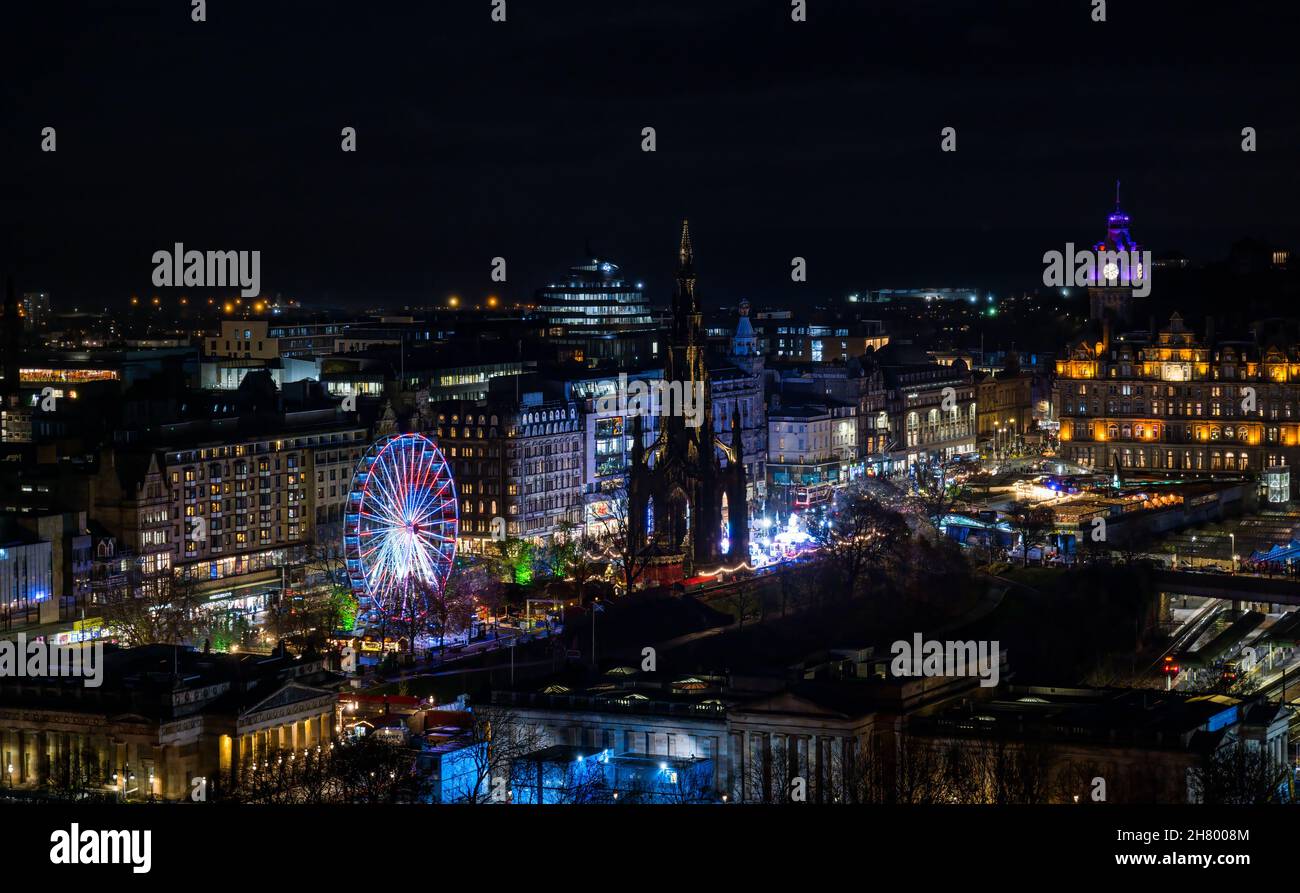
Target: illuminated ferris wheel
x: 399, y: 530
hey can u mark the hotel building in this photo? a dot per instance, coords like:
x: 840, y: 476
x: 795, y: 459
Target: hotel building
x: 1179, y: 406
x: 209, y: 508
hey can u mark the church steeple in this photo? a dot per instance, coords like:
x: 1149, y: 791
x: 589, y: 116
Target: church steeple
x: 686, y: 307
x: 685, y: 254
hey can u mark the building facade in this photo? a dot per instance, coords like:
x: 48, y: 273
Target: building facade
x: 812, y: 452
x: 1178, y: 405
x: 737, y: 391
x: 596, y: 317
x: 142, y: 735
x: 932, y: 412
x: 522, y: 464
x: 220, y: 509
x: 1006, y: 410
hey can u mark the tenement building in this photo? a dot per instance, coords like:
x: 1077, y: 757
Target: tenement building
x: 1177, y: 405
x: 519, y: 461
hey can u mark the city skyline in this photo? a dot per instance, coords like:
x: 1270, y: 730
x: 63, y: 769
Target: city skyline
x: 770, y: 414
x: 832, y: 154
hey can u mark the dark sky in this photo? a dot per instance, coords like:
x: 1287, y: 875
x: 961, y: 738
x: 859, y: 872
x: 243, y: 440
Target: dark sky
x: 522, y: 140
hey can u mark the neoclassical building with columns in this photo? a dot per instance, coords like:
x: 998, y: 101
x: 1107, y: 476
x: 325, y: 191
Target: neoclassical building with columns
x: 838, y: 715
x: 163, y: 718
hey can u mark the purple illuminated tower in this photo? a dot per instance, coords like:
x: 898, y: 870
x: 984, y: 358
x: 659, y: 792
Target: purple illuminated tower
x: 1109, y: 301
x: 1117, y: 234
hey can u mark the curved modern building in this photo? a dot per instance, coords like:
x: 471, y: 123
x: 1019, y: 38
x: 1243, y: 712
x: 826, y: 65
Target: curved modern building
x: 596, y: 316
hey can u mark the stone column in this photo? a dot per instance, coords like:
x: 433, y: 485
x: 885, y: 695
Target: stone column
x: 236, y: 759
x: 42, y: 767
x: 161, y: 786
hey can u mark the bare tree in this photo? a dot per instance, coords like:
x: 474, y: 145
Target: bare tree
x: 450, y: 608
x: 325, y: 564
x: 372, y: 770
x: 1237, y: 774
x: 497, y: 738
x: 1033, y: 523
x: 863, y: 535
x: 308, y: 617
x: 570, y: 783
x: 934, y: 492
x: 162, y: 609
x: 77, y: 775
x: 574, y: 555
x: 920, y: 772
x: 748, y: 600
x: 773, y: 778
x: 629, y: 557
x: 1008, y: 772
x: 368, y: 769
x: 679, y: 785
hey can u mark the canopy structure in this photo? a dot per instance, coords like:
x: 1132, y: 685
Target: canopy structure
x: 1281, y: 553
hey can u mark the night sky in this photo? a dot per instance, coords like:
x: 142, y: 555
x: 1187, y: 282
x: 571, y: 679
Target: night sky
x: 478, y: 139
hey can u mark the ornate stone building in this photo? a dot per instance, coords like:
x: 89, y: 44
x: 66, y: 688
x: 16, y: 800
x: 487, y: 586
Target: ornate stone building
x: 521, y: 461
x: 679, y: 488
x: 1176, y: 405
x: 736, y: 383
x: 162, y: 718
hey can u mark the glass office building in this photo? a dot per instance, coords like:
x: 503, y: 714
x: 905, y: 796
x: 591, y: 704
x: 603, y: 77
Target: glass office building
x: 596, y: 316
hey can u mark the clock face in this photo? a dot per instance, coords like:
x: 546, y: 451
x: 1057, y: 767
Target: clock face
x: 1111, y: 271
